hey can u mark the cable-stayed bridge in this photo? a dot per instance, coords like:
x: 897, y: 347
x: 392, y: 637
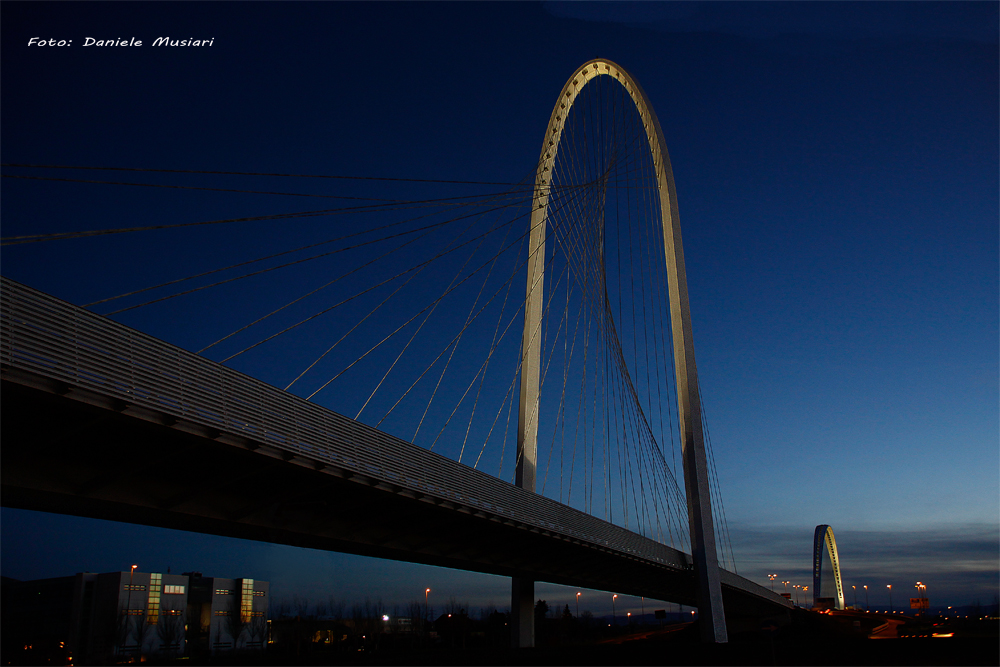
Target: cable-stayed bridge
x: 80, y: 390
x: 111, y: 418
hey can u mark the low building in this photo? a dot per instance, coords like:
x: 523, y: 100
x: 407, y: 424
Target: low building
x: 108, y: 617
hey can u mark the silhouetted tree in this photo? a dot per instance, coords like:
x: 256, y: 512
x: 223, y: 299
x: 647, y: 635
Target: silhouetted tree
x: 453, y: 607
x: 415, y: 610
x: 119, y: 632
x: 282, y: 609
x: 541, y: 611
x: 169, y: 629
x: 301, y: 605
x: 368, y: 620
x: 142, y: 628
x: 487, y: 611
x: 336, y: 607
x: 234, y: 623
x: 498, y: 629
x: 258, y: 630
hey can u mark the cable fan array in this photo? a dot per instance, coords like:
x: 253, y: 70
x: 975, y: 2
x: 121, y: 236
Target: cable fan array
x: 607, y: 325
x: 410, y: 316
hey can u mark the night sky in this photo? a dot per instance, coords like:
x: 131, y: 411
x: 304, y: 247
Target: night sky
x: 837, y: 174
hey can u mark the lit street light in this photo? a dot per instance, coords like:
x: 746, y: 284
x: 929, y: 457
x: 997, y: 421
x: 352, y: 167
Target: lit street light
x: 578, y: 604
x: 426, y: 608
x: 889, y: 586
x: 128, y: 607
x: 855, y: 596
x: 772, y: 577
x: 867, y: 608
x: 614, y: 614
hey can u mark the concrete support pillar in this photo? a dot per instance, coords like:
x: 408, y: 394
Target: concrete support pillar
x: 522, y: 597
x: 711, y: 615
x: 522, y: 613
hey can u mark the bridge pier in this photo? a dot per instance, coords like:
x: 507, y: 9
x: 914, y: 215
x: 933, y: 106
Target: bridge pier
x: 522, y: 613
x: 522, y: 594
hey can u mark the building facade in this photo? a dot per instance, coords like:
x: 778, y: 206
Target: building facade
x: 114, y: 616
x: 226, y: 614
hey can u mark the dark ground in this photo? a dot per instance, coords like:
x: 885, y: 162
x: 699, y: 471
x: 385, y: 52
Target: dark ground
x: 803, y: 638
x: 811, y: 639
x: 977, y: 651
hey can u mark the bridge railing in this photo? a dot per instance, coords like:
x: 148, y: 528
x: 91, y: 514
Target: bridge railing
x: 48, y: 337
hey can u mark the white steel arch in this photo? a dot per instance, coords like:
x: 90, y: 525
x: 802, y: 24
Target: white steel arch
x: 713, y: 626
x: 824, y: 535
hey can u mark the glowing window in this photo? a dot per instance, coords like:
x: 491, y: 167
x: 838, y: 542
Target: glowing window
x: 223, y: 591
x: 153, y: 604
x: 246, y: 600
x: 222, y: 613
x: 173, y: 590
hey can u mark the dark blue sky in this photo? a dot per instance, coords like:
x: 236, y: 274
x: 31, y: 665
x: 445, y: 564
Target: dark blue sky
x: 837, y: 173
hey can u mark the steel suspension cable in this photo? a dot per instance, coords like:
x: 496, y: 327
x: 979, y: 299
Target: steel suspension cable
x: 253, y: 173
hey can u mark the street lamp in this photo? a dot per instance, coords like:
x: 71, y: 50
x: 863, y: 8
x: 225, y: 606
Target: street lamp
x: 796, y: 587
x: 889, y: 586
x: 578, y: 604
x: 128, y: 607
x: 614, y: 614
x: 771, y: 577
x: 426, y: 608
x: 867, y: 608
x: 921, y: 593
x: 855, y: 596
x: 786, y: 585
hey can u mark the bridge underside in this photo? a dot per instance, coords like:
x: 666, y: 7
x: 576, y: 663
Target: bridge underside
x: 70, y: 451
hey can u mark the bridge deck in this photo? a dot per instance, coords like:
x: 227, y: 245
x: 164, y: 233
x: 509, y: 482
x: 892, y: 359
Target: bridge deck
x: 80, y: 392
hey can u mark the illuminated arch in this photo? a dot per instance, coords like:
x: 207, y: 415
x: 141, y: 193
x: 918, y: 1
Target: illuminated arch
x: 689, y: 405
x: 824, y: 534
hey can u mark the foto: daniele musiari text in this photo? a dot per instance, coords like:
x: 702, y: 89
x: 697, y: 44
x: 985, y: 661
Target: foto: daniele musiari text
x: 121, y: 41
